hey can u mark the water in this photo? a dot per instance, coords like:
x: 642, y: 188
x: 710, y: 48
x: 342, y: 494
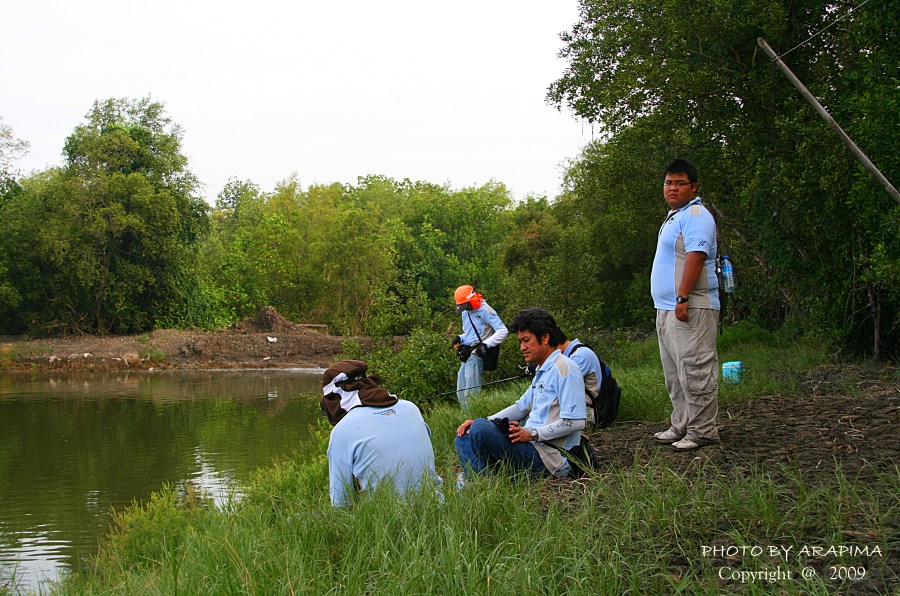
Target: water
x: 74, y: 446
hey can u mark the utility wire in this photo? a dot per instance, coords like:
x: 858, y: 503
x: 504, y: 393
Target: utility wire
x: 816, y: 34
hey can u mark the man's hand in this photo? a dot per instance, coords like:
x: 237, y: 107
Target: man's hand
x: 480, y: 350
x: 456, y: 341
x: 518, y: 434
x: 464, y: 428
x: 681, y: 312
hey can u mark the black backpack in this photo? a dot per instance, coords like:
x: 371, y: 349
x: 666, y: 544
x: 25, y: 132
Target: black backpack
x: 606, y: 404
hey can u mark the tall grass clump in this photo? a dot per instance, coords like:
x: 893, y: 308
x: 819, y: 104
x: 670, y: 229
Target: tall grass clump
x: 641, y: 528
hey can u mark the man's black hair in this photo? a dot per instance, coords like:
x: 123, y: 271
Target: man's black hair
x: 537, y: 321
x: 681, y: 166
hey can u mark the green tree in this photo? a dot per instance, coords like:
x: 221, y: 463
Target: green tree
x: 793, y: 208
x: 11, y: 149
x: 117, y: 226
x: 235, y: 193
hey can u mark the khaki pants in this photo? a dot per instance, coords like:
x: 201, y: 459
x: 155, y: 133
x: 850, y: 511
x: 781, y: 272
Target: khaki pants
x: 691, y: 367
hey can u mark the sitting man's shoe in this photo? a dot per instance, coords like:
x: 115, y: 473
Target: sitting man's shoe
x: 667, y: 436
x: 691, y: 444
x: 461, y: 481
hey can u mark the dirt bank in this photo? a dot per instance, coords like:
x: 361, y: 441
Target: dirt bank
x: 816, y: 431
x: 267, y: 340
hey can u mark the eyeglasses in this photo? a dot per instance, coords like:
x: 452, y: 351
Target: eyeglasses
x: 677, y: 183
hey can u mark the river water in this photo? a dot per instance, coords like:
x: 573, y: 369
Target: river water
x: 73, y: 446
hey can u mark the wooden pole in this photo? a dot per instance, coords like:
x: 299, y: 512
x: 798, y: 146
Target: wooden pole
x: 834, y: 125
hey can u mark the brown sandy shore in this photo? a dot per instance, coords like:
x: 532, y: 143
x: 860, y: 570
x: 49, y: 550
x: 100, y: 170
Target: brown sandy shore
x: 267, y: 340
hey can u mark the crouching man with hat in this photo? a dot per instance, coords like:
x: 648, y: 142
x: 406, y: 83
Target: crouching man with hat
x: 376, y: 438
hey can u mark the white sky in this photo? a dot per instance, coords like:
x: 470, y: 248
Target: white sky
x: 332, y: 89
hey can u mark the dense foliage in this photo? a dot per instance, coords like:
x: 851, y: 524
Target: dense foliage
x: 814, y: 236
x: 104, y: 242
x: 116, y: 238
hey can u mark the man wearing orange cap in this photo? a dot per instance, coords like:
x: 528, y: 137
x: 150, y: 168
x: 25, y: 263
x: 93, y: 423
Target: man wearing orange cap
x: 482, y: 329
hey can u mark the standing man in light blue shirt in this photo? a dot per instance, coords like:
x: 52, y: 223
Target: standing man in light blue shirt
x: 685, y: 287
x: 482, y: 329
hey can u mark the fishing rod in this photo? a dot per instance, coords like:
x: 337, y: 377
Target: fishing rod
x: 526, y: 372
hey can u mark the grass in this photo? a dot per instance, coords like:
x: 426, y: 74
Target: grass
x: 148, y: 351
x: 631, y: 529
x: 13, y: 352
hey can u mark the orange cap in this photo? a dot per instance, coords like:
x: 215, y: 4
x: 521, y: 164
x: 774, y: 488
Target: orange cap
x: 463, y: 294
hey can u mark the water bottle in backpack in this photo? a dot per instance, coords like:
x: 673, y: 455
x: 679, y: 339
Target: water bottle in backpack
x: 728, y: 282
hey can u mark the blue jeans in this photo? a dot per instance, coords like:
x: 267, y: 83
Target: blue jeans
x: 485, y: 446
x: 469, y: 378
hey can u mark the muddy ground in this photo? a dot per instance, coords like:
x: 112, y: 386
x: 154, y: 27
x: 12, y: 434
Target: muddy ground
x: 814, y: 430
x: 809, y: 435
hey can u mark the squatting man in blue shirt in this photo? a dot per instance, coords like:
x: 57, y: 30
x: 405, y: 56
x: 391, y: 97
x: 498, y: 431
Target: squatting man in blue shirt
x: 554, y: 405
x: 377, y: 438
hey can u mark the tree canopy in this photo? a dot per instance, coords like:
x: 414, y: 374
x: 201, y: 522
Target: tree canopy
x: 116, y: 239
x: 815, y: 239
x: 103, y: 243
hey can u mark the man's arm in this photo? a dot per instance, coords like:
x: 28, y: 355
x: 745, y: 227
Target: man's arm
x: 500, y: 330
x: 693, y: 265
x: 340, y: 480
x: 548, y: 432
x: 513, y: 412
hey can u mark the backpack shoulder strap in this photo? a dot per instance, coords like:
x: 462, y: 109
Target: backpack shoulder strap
x: 474, y: 327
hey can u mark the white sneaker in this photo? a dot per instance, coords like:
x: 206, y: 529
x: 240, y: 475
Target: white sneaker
x: 461, y: 480
x: 667, y: 436
x: 691, y: 444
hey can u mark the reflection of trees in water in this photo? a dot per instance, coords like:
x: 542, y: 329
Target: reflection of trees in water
x: 75, y: 445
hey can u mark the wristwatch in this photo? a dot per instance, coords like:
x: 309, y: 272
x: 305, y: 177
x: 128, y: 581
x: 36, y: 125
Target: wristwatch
x: 534, y: 434
x: 680, y: 299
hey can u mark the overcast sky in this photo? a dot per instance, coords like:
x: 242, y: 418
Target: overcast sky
x: 332, y: 89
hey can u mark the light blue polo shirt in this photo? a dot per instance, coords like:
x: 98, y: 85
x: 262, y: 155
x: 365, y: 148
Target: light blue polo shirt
x: 589, y: 364
x: 375, y: 445
x: 556, y: 392
x: 689, y: 229
x: 483, y: 322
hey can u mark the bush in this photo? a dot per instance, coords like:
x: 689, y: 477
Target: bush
x: 424, y: 366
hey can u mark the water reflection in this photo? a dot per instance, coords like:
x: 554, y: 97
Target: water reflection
x: 73, y: 446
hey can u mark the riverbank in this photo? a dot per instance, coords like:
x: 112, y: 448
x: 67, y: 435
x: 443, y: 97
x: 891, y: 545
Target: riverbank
x: 793, y: 514
x: 267, y: 340
x: 807, y: 462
